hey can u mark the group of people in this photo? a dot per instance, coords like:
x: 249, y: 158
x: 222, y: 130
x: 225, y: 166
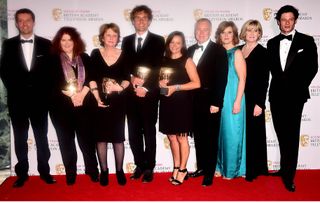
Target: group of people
x: 214, y: 92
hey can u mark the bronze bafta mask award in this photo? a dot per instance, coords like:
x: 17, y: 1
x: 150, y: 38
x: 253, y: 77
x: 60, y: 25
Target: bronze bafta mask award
x: 106, y: 84
x: 72, y: 86
x: 143, y: 72
x: 165, y: 74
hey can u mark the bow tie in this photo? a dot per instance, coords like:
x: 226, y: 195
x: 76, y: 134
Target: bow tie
x: 288, y: 37
x: 199, y: 46
x: 26, y: 41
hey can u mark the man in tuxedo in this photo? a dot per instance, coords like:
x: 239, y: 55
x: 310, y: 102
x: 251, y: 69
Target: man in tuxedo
x: 144, y: 49
x: 212, y: 65
x: 23, y: 71
x: 293, y: 64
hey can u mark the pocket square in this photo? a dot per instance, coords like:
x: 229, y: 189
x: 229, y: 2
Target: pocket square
x: 300, y: 50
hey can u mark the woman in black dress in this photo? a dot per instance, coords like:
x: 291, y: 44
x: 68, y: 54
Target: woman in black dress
x: 255, y: 92
x: 110, y: 80
x: 71, y: 102
x: 177, y: 76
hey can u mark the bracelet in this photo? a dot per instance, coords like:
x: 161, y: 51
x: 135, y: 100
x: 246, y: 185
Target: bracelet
x: 93, y: 89
x: 178, y: 87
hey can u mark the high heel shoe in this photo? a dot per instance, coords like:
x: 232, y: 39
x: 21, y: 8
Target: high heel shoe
x: 104, y: 178
x: 172, y: 177
x: 178, y: 182
x: 121, y: 178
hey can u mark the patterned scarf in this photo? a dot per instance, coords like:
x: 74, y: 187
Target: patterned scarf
x: 69, y: 73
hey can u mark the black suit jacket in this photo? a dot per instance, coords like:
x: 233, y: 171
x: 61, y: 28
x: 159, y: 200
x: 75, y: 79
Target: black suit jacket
x: 150, y: 55
x: 23, y: 85
x: 301, y: 67
x: 213, y: 71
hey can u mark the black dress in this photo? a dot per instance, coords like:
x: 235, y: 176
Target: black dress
x: 110, y: 121
x: 255, y: 93
x: 175, y: 113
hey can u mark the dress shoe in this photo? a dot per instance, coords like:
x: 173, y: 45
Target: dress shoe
x: 197, y: 173
x: 71, y: 179
x: 104, y: 178
x: 207, y: 180
x: 136, y: 174
x: 94, y: 177
x: 20, y: 181
x: 277, y: 173
x: 290, y: 187
x: 121, y: 178
x: 147, y: 176
x: 48, y: 179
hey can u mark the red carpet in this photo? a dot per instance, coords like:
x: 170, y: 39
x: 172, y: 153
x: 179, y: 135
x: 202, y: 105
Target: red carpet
x: 264, y: 188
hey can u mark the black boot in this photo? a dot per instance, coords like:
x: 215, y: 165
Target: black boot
x: 104, y: 178
x: 121, y: 177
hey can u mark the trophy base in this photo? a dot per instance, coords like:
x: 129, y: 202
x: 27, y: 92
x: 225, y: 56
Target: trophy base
x: 164, y: 91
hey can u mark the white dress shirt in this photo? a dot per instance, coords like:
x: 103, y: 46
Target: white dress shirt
x: 27, y: 49
x: 198, y: 52
x: 285, y: 45
x: 143, y: 36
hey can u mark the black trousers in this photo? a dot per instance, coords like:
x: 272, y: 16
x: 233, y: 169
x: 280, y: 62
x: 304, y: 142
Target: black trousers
x: 206, y: 133
x: 76, y: 121
x: 142, y: 115
x: 286, y: 117
x: 21, y: 118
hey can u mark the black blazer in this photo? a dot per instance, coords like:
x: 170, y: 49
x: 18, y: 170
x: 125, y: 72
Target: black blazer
x: 213, y: 71
x: 301, y: 67
x: 150, y: 55
x: 22, y: 84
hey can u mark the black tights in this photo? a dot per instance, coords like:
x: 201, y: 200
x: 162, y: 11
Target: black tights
x: 118, y: 149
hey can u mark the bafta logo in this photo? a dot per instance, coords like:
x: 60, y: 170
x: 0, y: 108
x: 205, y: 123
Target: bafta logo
x: 304, y: 140
x: 266, y: 12
x: 60, y: 169
x: 267, y: 114
x: 197, y: 13
x: 57, y: 14
x: 130, y: 167
x: 126, y: 14
x: 269, y: 164
x: 96, y: 41
x: 166, y: 143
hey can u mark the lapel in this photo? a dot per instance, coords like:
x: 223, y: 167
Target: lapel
x: 20, y: 53
x: 293, y: 51
x: 34, y: 53
x: 205, y: 53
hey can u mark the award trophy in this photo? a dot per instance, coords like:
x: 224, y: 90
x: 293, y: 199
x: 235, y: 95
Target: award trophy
x: 106, y: 83
x: 72, y: 86
x: 165, y: 74
x: 143, y: 72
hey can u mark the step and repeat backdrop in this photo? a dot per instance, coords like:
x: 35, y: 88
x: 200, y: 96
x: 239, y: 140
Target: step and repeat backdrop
x: 88, y: 15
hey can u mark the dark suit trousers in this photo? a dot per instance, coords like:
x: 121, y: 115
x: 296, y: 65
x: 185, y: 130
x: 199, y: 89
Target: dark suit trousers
x: 206, y: 133
x: 142, y: 115
x: 286, y: 117
x: 68, y: 124
x: 20, y: 123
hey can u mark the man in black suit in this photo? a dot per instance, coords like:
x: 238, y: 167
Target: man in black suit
x: 23, y: 71
x: 144, y: 49
x: 212, y: 65
x: 293, y: 64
